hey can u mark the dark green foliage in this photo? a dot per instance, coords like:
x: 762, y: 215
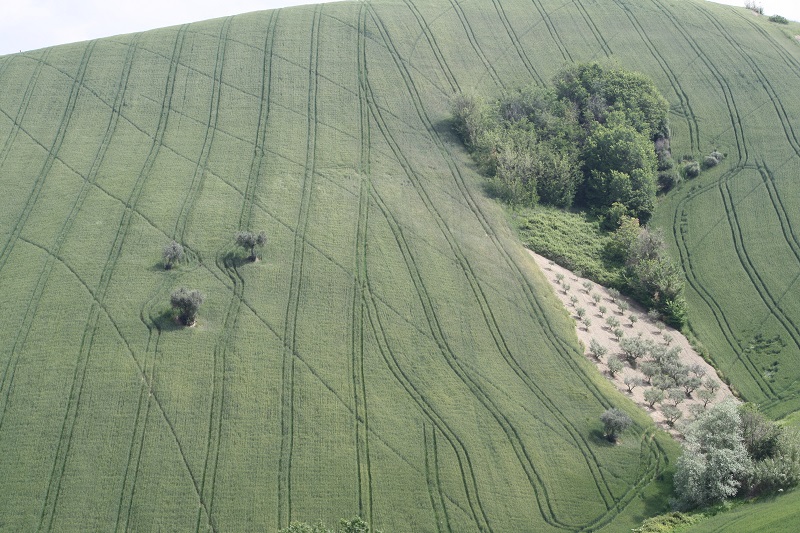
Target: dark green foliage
x: 249, y: 241
x: 691, y: 169
x: 591, y: 137
x: 620, y: 168
x: 173, y: 253
x: 615, y: 421
x: 186, y: 302
x: 779, y: 19
x: 598, y: 92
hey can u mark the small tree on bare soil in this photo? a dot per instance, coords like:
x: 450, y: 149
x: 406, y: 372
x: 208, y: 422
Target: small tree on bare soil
x: 671, y: 414
x: 614, y: 365
x: 186, y: 302
x: 250, y: 240
x: 615, y: 421
x: 173, y: 252
x: 653, y: 396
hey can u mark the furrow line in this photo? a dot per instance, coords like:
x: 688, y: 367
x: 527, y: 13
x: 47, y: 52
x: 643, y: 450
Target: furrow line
x: 208, y: 140
x: 437, y: 52
x: 593, y: 28
x: 23, y: 107
x: 501, y: 13
x: 552, y: 30
x: 477, y: 291
x: 52, y: 152
x: 683, y: 98
x: 473, y: 41
x: 293, y: 302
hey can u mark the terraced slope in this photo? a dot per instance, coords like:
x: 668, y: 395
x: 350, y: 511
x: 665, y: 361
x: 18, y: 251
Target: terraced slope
x: 396, y: 354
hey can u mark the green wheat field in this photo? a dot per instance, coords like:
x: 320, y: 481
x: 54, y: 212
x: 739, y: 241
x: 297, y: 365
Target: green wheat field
x: 395, y: 354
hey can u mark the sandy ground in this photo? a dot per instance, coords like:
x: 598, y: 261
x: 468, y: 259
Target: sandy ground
x: 571, y: 286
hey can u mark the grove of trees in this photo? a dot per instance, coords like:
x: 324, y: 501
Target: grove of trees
x: 732, y: 450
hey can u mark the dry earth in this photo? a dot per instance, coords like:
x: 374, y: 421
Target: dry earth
x: 572, y: 286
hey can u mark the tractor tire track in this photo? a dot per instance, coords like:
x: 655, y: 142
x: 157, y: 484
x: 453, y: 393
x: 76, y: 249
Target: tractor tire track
x: 361, y: 418
x: 501, y: 13
x: 523, y: 456
x: 434, y: 46
x: 481, y: 299
x: 7, y: 378
x: 593, y: 28
x: 293, y: 301
x: 48, y: 511
x: 473, y: 41
x: 552, y: 30
x: 52, y: 151
x: 683, y: 98
x: 466, y: 468
x: 23, y: 109
x: 208, y: 140
x: 678, y: 227
x: 432, y: 477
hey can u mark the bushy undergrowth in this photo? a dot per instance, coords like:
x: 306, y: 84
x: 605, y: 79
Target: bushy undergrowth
x: 779, y: 19
x: 631, y: 259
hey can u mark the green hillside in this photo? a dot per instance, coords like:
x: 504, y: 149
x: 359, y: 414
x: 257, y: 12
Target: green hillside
x: 396, y: 354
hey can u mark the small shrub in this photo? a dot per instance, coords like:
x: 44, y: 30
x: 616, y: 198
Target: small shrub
x: 614, y: 365
x: 691, y: 169
x: 186, y: 302
x: 173, y: 253
x: 779, y: 19
x: 597, y: 349
x: 615, y: 421
x: 709, y: 162
x: 668, y: 180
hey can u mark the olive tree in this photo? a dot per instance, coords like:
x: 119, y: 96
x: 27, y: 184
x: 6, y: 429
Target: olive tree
x: 186, y: 302
x: 714, y: 460
x: 173, y: 252
x: 615, y: 421
x: 249, y: 241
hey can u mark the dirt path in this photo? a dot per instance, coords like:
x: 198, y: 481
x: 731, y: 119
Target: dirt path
x: 573, y: 294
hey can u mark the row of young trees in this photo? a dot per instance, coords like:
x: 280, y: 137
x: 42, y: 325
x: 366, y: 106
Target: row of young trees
x: 186, y: 302
x: 590, y: 139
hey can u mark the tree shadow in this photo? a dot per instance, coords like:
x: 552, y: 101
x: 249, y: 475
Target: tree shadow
x: 235, y: 260
x: 166, y: 321
x: 599, y: 438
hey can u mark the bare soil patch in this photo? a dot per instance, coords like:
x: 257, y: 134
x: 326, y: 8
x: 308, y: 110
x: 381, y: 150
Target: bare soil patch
x: 571, y: 291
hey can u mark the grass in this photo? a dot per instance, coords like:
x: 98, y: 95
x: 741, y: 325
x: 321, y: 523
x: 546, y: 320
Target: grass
x: 395, y: 354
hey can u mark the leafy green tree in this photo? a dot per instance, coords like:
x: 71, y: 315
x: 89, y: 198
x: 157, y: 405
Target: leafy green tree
x: 614, y: 365
x: 186, y: 302
x: 597, y: 349
x: 172, y: 253
x: 250, y: 241
x: 615, y: 421
x: 653, y: 396
x: 671, y: 414
x: 714, y: 461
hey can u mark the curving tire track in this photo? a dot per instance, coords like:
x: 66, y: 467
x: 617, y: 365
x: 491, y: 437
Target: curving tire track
x: 293, y: 302
x: 683, y: 98
x: 473, y: 41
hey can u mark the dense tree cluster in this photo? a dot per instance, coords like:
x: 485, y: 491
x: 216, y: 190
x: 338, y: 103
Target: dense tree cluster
x: 651, y: 276
x: 590, y: 139
x: 731, y: 450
